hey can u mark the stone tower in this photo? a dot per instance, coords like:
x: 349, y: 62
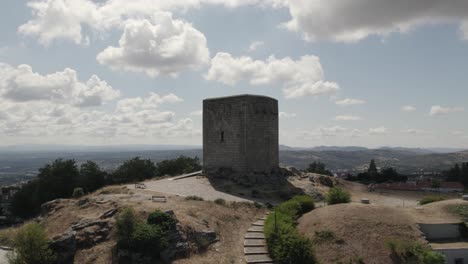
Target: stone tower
x: 240, y: 133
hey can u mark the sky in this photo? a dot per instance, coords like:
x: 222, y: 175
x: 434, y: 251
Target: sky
x: 345, y: 72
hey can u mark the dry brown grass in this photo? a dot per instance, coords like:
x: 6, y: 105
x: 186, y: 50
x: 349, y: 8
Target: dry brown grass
x: 230, y: 221
x: 358, y: 231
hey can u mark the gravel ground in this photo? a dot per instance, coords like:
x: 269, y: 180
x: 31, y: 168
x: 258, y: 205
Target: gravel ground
x: 199, y: 186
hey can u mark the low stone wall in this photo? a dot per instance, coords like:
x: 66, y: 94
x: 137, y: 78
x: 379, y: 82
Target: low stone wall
x: 440, y: 231
x: 453, y: 254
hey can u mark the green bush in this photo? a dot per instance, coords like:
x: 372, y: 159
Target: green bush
x: 77, y: 192
x: 31, y: 246
x: 126, y: 224
x: 337, y: 195
x: 193, y: 198
x: 431, y: 199
x: 285, y: 244
x: 163, y: 220
x: 148, y: 239
x: 414, y: 252
x: 220, y: 201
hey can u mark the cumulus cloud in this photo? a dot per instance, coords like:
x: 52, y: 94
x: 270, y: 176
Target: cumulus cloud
x: 196, y: 113
x: 408, y: 108
x: 287, y: 115
x: 378, y: 131
x: 159, y: 45
x: 21, y: 84
x: 255, y: 45
x: 68, y: 19
x: 298, y: 77
x: 441, y: 110
x: 351, y: 21
x: 347, y: 118
x: 349, y: 101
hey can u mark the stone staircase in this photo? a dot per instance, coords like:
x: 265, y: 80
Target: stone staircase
x: 255, y: 247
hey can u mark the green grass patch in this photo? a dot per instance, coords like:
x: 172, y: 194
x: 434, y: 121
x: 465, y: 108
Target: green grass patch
x: 460, y: 210
x: 285, y: 244
x: 431, y: 199
x: 405, y: 251
x: 193, y: 198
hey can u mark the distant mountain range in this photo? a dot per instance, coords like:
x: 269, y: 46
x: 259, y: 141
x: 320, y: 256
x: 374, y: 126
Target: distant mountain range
x: 356, y: 148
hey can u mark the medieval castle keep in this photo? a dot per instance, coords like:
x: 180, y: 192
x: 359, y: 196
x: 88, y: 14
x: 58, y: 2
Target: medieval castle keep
x: 240, y: 133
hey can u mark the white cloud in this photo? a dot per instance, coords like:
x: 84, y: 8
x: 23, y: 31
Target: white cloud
x: 287, y: 115
x: 441, y: 110
x: 408, y: 108
x: 68, y: 19
x: 350, y: 21
x: 255, y: 45
x: 349, y: 101
x: 378, y: 131
x: 347, y: 118
x: 21, y: 84
x: 457, y: 133
x: 160, y: 45
x: 299, y: 78
x: 197, y: 113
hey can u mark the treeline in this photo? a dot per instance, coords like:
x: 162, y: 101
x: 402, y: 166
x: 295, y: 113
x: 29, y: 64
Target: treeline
x: 60, y: 178
x: 319, y: 168
x: 373, y: 175
x: 458, y: 173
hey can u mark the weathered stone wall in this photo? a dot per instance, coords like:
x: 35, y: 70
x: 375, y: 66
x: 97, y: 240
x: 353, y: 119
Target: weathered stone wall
x: 240, y: 133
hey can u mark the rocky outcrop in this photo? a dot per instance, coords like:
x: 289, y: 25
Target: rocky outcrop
x: 82, y: 234
x: 64, y: 247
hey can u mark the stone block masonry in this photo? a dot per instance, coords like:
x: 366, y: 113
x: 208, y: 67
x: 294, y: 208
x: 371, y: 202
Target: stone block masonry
x: 240, y: 133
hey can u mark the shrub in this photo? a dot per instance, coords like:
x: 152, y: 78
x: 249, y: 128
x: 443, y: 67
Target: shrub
x: 431, y: 199
x: 126, y: 224
x: 220, y: 201
x: 148, y: 239
x: 285, y: 244
x: 77, y: 192
x: 31, y: 246
x: 163, y: 220
x: 414, y: 252
x: 337, y: 195
x: 193, y: 198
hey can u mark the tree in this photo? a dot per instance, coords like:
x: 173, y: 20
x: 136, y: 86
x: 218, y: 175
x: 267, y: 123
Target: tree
x: 25, y: 202
x: 31, y: 246
x: 318, y: 167
x: 91, y: 176
x: 57, y: 180
x: 136, y: 169
x: 178, y: 166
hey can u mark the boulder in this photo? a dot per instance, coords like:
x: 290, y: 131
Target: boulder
x: 64, y: 247
x: 109, y: 213
x: 90, y: 232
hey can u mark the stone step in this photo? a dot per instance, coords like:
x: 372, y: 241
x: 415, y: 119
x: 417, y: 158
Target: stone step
x: 255, y: 229
x: 255, y: 250
x: 254, y: 235
x: 258, y: 259
x: 262, y: 218
x: 253, y: 242
x: 259, y: 223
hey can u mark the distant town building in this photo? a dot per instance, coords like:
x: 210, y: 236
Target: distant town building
x: 240, y: 133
